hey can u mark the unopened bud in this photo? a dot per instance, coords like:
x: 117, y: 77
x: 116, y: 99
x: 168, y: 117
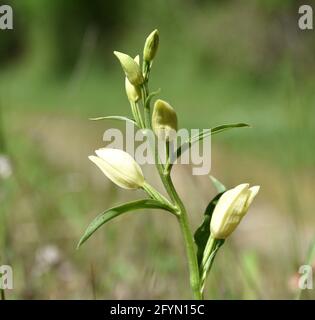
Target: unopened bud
x: 131, y: 68
x: 151, y: 46
x: 133, y: 92
x: 164, y: 121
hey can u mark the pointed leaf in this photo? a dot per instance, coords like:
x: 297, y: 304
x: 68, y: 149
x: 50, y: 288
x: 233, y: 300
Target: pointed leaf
x: 218, y: 184
x: 206, y: 133
x: 117, y: 211
x: 203, y: 232
x: 225, y: 127
x: 216, y: 130
x: 120, y: 118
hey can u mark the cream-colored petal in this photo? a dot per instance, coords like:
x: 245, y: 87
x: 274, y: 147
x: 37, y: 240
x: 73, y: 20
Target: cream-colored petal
x: 119, y: 167
x: 137, y: 59
x: 229, y: 211
x: 251, y: 196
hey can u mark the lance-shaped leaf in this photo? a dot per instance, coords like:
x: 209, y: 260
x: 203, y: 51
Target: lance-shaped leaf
x: 203, y: 232
x: 218, y: 184
x: 216, y: 130
x: 120, y: 118
x: 117, y: 211
x: 202, y: 135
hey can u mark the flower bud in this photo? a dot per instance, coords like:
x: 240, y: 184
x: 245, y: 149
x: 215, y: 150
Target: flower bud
x: 119, y: 167
x: 133, y: 92
x: 230, y: 209
x: 151, y: 46
x: 131, y: 68
x: 164, y: 120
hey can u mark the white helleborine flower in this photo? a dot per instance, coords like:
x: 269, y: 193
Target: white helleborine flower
x: 230, y: 209
x: 119, y: 167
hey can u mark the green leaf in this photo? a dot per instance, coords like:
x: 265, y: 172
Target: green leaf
x: 203, y: 232
x: 216, y: 130
x: 218, y: 184
x: 206, y: 133
x: 150, y: 96
x: 120, y: 118
x: 117, y: 211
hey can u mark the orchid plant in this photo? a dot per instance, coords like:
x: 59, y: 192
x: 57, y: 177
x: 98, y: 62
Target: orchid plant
x: 224, y: 211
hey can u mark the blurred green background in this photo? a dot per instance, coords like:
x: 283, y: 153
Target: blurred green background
x: 218, y: 62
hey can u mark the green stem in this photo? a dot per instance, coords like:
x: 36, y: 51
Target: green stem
x: 146, y: 106
x: 189, y: 241
x: 207, y: 261
x: 165, y: 176
x: 146, y: 68
x: 211, y: 249
x: 134, y: 113
x: 137, y: 110
x: 154, y: 194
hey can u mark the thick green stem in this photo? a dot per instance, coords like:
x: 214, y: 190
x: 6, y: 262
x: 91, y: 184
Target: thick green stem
x: 207, y: 261
x: 189, y: 242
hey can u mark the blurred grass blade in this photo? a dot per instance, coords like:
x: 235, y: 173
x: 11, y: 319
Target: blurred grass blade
x: 310, y: 257
x: 117, y: 211
x: 218, y: 184
x: 120, y: 118
x: 311, y: 253
x: 202, y: 234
